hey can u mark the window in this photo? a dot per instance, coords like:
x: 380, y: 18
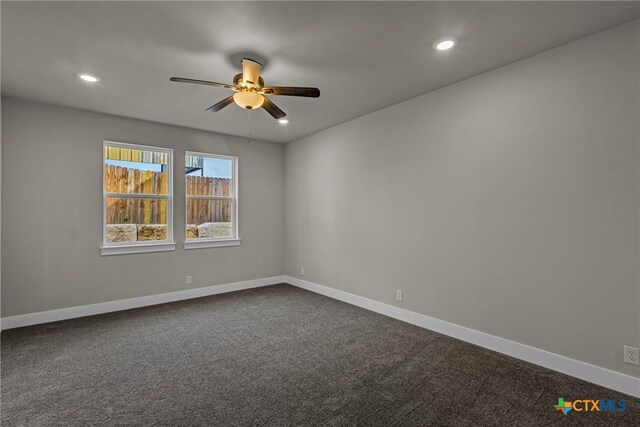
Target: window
x: 212, y: 200
x: 137, y: 199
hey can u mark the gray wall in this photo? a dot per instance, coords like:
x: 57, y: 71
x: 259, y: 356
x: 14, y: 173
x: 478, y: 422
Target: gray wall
x: 507, y: 203
x: 52, y: 211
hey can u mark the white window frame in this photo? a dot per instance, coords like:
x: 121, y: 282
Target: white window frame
x: 234, y: 240
x: 120, y: 248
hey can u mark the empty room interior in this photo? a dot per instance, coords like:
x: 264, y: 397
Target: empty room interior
x: 320, y: 213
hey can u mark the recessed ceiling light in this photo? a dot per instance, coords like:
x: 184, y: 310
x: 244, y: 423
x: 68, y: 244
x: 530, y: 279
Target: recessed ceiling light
x: 445, y: 43
x: 89, y: 78
x: 283, y: 121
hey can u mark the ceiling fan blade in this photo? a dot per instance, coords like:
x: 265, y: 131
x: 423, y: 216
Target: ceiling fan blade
x: 220, y: 105
x: 201, y: 82
x: 310, y: 92
x: 273, y: 109
x: 251, y: 71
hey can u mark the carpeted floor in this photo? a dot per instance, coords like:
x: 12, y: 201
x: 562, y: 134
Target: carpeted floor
x: 274, y: 356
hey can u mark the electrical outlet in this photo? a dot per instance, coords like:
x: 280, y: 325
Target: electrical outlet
x: 399, y: 295
x: 631, y: 355
x: 189, y: 280
x: 302, y: 271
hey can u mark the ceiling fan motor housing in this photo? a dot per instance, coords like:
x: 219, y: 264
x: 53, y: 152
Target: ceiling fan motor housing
x: 237, y: 81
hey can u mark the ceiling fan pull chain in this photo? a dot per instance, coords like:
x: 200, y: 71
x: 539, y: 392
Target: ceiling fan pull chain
x: 250, y: 126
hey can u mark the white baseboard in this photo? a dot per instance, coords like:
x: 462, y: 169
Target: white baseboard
x: 126, y: 304
x: 604, y: 377
x: 614, y: 380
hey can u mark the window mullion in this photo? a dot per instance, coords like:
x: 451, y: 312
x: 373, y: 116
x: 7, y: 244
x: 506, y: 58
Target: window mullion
x: 195, y: 197
x: 137, y: 195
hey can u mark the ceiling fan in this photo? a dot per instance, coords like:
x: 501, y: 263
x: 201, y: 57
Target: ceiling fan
x: 250, y: 91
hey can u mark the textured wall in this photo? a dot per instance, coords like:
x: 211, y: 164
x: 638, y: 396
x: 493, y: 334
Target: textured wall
x: 52, y: 211
x: 507, y: 203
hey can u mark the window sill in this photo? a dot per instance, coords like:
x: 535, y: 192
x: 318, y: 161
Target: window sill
x: 194, y: 244
x: 137, y: 249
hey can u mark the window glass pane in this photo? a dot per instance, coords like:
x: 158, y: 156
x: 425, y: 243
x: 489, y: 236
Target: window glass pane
x: 209, y: 219
x: 208, y: 176
x: 136, y: 219
x: 128, y: 170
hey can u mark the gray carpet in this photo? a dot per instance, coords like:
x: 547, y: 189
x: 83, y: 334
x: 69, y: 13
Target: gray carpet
x: 273, y: 356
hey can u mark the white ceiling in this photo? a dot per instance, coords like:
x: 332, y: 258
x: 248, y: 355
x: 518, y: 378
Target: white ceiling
x: 362, y: 56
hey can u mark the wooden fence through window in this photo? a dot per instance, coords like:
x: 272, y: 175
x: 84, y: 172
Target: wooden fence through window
x: 134, y: 210
x: 201, y: 211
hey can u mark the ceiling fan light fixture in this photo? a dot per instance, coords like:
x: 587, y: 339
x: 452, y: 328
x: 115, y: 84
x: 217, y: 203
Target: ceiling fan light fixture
x: 445, y: 43
x: 248, y: 100
x: 283, y: 121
